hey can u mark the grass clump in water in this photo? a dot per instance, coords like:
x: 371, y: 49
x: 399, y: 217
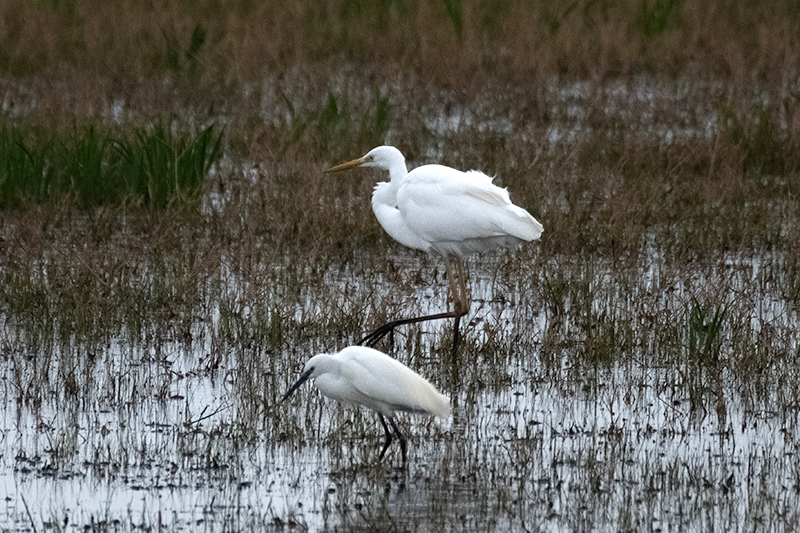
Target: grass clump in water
x: 705, y: 326
x: 155, y: 166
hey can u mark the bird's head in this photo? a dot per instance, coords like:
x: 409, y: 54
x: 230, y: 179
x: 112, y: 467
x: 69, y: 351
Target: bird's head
x: 314, y: 367
x: 383, y: 157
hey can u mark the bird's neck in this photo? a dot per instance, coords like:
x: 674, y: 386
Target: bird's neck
x: 397, y: 171
x: 386, y: 191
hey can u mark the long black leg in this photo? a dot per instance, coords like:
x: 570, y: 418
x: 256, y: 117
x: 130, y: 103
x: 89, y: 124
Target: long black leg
x: 373, y: 338
x: 388, y: 435
x: 399, y: 436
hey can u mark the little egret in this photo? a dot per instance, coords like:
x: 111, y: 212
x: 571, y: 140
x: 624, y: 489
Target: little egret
x: 363, y: 376
x: 444, y: 212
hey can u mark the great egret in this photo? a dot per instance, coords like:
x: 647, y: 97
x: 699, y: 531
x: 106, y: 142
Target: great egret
x: 363, y: 376
x: 444, y: 212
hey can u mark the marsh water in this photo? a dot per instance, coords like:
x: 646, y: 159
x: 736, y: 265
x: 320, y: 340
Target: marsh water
x: 539, y: 440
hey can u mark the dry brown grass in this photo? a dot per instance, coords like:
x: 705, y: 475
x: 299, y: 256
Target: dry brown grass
x: 242, y: 41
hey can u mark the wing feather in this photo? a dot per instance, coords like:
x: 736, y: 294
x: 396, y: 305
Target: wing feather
x: 388, y: 385
x: 446, y: 206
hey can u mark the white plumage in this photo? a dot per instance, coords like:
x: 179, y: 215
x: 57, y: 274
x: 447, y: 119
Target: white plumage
x: 461, y: 213
x: 362, y: 376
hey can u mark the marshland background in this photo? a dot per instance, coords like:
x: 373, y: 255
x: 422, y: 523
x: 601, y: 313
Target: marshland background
x: 170, y: 255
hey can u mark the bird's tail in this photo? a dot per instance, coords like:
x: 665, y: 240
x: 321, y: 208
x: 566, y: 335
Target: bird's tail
x: 521, y: 224
x: 443, y: 409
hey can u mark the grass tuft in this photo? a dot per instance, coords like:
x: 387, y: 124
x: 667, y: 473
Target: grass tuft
x: 165, y: 165
x: 705, y: 326
x: 154, y: 166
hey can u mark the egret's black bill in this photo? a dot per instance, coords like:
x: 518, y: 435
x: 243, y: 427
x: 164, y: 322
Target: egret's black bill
x: 303, y: 379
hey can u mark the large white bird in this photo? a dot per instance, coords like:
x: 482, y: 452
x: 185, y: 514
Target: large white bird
x: 363, y: 376
x: 444, y: 212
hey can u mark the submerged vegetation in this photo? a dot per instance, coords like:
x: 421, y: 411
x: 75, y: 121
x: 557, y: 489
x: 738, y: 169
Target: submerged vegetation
x: 170, y: 255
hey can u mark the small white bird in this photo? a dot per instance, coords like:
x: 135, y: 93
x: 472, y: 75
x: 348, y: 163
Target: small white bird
x: 362, y: 376
x: 445, y: 212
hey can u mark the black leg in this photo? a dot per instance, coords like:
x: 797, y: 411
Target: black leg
x: 399, y: 436
x: 373, y: 338
x: 388, y: 435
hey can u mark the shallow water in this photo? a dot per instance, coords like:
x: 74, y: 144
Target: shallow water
x: 540, y: 438
x: 542, y: 460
